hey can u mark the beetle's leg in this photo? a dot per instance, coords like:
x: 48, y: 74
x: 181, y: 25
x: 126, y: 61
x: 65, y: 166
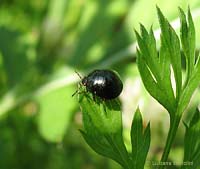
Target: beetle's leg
x: 75, y: 93
x: 94, y: 97
x: 78, y: 90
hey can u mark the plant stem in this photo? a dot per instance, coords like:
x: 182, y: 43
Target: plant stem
x: 170, y: 138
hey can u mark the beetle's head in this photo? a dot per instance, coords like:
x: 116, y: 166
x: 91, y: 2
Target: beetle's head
x: 84, y: 81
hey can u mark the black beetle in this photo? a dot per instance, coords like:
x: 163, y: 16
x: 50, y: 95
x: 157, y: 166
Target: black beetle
x: 103, y: 83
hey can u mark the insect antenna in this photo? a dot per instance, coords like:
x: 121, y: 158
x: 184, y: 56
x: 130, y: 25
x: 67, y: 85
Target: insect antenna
x: 77, y: 91
x: 78, y: 75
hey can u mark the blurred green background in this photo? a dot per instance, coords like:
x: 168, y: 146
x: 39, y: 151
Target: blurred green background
x: 42, y: 42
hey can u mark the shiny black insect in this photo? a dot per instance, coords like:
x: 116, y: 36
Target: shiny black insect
x: 103, y: 83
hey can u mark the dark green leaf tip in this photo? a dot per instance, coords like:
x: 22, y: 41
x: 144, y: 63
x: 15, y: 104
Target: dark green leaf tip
x: 140, y: 140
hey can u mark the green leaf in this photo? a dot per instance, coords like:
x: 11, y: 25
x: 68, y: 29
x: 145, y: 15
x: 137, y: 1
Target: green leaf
x: 171, y: 40
x: 103, y: 128
x: 193, y: 83
x: 157, y: 91
x: 164, y: 61
x: 101, y: 146
x: 188, y: 41
x: 147, y: 46
x: 105, y: 116
x: 140, y: 141
x: 155, y: 69
x: 192, y: 142
x: 56, y: 110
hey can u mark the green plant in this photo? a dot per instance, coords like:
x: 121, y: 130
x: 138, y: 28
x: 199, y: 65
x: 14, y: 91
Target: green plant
x: 103, y: 132
x: 103, y: 122
x: 156, y: 70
